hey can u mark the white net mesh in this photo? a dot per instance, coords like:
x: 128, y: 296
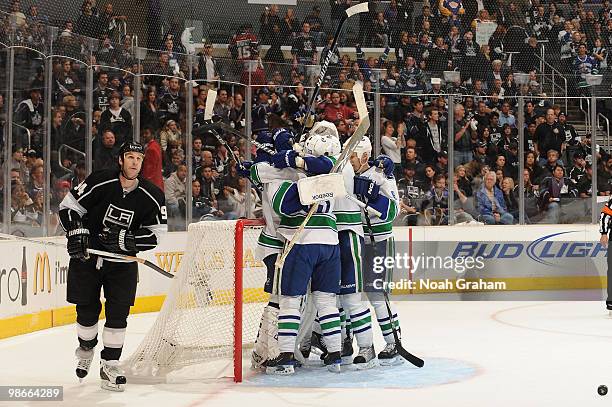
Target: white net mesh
x: 193, y: 336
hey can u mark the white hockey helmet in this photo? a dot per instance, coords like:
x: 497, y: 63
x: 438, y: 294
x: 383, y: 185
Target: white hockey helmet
x: 324, y: 128
x: 322, y: 144
x: 364, y: 146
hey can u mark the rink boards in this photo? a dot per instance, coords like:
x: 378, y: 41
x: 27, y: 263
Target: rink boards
x: 427, y: 260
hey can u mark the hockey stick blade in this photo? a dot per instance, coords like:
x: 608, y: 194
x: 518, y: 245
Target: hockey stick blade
x: 211, y: 98
x: 415, y: 360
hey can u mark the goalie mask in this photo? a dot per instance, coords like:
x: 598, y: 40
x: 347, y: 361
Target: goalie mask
x: 318, y: 145
x: 324, y: 128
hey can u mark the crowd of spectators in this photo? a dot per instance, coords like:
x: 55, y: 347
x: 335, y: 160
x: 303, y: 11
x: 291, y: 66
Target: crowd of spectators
x: 408, y: 70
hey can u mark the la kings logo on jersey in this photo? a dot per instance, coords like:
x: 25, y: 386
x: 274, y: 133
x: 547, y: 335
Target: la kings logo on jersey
x: 118, y: 216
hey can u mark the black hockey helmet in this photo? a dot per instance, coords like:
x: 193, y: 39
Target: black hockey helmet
x: 130, y: 146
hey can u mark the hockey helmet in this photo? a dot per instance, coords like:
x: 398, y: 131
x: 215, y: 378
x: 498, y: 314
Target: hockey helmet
x: 322, y: 144
x: 130, y: 147
x: 364, y: 146
x: 324, y: 128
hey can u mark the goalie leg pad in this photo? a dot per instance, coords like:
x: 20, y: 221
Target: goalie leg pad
x: 266, y: 344
x: 288, y: 322
x: 329, y: 319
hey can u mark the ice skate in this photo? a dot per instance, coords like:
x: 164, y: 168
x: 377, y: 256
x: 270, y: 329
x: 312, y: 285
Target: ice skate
x: 111, y: 376
x: 389, y: 356
x: 347, y: 350
x: 317, y: 345
x: 84, y: 356
x: 333, y: 361
x: 282, y: 365
x: 365, y: 359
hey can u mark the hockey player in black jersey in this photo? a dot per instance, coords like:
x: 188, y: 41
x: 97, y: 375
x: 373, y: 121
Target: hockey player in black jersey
x: 116, y: 211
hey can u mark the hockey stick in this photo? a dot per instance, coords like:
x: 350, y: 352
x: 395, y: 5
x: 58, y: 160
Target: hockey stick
x: 418, y: 362
x: 351, y: 144
x: 94, y: 251
x: 228, y: 129
x: 349, y: 12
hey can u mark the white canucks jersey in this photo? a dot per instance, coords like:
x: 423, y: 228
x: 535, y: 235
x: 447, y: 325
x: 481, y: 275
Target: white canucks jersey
x: 321, y: 227
x: 387, y: 204
x: 348, y: 213
x: 270, y: 242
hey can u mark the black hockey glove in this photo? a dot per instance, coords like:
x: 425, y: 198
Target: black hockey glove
x: 78, y: 242
x: 115, y: 239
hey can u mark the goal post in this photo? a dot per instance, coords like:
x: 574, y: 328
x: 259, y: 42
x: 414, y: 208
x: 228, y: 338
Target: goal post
x: 211, y: 313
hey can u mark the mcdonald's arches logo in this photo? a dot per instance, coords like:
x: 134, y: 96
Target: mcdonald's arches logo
x: 42, y: 265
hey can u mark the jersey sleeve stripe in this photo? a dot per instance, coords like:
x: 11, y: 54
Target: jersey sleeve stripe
x: 96, y: 186
x: 151, y: 196
x: 69, y: 202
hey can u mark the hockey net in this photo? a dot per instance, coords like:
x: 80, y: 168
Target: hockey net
x: 212, y: 311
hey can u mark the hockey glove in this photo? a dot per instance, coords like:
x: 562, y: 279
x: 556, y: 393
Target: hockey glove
x: 115, y: 239
x: 285, y: 159
x: 78, y: 242
x: 384, y: 163
x: 245, y: 169
x: 366, y: 188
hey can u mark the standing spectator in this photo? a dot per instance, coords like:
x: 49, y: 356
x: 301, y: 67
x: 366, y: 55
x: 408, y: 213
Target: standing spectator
x: 102, y: 92
x: 381, y: 31
x: 432, y: 138
x: 223, y: 105
x: 304, y: 50
x: 172, y: 104
x: 290, y: 26
x: 336, y: 110
x: 207, y: 65
x: 152, y: 164
x: 117, y: 119
x: 149, y: 110
x: 88, y: 23
x: 267, y: 21
x: 462, y: 140
x: 392, y: 143
x: 316, y: 25
x: 549, y: 136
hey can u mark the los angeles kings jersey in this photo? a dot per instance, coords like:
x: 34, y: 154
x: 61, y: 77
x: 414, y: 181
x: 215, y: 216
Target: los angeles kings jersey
x: 101, y: 202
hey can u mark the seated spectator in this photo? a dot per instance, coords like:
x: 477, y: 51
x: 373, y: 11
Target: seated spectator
x: 20, y: 203
x: 411, y: 193
x: 510, y: 197
x: 585, y: 184
x: 171, y: 132
x: 201, y: 208
x: 578, y: 170
x: 430, y: 173
x: 174, y: 190
x: 463, y: 206
x: 491, y: 204
x: 463, y: 182
x: 552, y: 160
x: 236, y: 198
x: 107, y: 153
x: 552, y: 190
x: 435, y: 203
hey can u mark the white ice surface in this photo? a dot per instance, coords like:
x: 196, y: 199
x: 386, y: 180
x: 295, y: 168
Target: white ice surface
x: 476, y: 353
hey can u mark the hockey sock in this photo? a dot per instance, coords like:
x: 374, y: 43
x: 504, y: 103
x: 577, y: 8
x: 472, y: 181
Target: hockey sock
x: 342, y: 323
x: 382, y: 315
x: 361, y: 319
x: 88, y: 335
x: 288, y: 323
x: 113, y: 339
x: 329, y: 318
